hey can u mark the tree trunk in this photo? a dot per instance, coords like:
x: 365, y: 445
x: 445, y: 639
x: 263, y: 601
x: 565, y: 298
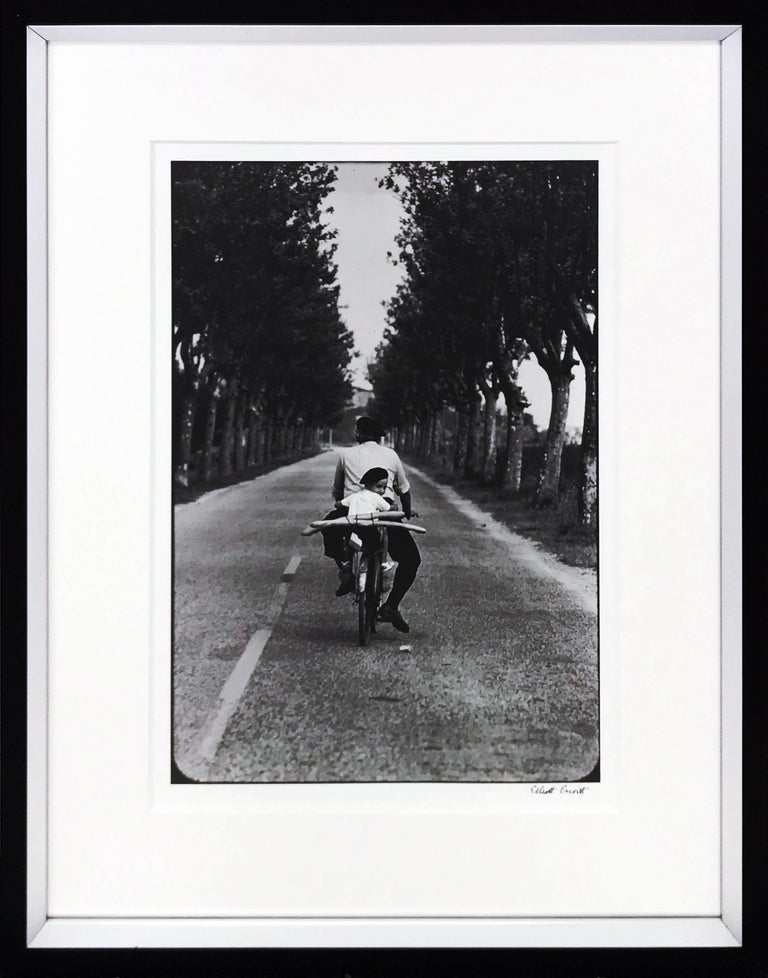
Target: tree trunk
x: 549, y: 476
x: 437, y: 435
x: 489, y: 437
x: 185, y: 438
x: 260, y: 437
x: 429, y: 439
x: 512, y: 469
x: 267, y: 434
x: 277, y: 430
x: 472, y: 457
x: 240, y: 436
x: 282, y: 445
x: 253, y: 435
x: 446, y: 438
x: 460, y: 448
x: 285, y: 435
x: 423, y: 438
x: 588, y: 473
x: 228, y: 432
x: 209, y: 449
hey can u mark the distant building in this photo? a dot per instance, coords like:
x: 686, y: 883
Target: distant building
x: 361, y: 395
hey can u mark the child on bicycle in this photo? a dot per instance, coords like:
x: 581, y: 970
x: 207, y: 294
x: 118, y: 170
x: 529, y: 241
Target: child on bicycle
x: 370, y: 499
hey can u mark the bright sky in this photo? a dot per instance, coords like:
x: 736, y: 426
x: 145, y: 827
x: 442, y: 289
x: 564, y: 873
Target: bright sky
x: 367, y: 220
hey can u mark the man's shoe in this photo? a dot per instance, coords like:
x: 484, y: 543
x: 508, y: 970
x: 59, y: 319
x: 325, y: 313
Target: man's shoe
x: 346, y: 581
x: 392, y: 615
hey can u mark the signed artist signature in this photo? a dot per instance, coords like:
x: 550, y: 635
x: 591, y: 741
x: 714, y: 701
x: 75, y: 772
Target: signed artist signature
x: 559, y: 789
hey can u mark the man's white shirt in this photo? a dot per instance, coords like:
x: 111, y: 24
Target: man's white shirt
x: 354, y: 462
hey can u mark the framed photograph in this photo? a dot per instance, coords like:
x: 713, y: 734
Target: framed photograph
x: 375, y: 598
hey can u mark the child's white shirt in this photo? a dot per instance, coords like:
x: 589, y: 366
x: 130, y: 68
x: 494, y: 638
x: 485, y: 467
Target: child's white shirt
x: 365, y: 501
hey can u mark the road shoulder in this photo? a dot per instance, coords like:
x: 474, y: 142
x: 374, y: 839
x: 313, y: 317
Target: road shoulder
x: 581, y: 582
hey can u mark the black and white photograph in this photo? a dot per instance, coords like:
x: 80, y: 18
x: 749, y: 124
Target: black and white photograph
x: 385, y: 471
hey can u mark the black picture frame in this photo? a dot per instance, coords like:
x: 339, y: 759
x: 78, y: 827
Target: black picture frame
x: 18, y: 959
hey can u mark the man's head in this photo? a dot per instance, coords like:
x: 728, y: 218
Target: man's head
x: 375, y: 480
x: 366, y: 429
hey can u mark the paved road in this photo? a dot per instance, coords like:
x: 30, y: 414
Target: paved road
x: 500, y: 682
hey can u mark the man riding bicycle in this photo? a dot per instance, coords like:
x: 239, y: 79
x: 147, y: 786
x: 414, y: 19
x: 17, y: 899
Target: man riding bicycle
x: 352, y: 465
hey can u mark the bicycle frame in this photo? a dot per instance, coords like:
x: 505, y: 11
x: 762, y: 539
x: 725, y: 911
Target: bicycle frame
x: 368, y: 577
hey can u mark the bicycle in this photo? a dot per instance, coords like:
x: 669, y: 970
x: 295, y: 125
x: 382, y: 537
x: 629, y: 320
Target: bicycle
x: 367, y: 560
x: 368, y: 575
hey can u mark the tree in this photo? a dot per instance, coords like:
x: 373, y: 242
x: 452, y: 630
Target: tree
x: 574, y: 276
x: 255, y: 307
x: 548, y: 287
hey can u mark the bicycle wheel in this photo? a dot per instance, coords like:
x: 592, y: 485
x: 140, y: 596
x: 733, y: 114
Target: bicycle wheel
x: 373, y: 589
x: 361, y: 597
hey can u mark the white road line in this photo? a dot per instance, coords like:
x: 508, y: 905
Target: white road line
x: 229, y: 697
x: 274, y: 607
x: 290, y: 571
x: 215, y: 725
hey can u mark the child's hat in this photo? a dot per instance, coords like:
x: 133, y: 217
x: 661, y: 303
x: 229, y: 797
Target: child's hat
x: 373, y: 475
